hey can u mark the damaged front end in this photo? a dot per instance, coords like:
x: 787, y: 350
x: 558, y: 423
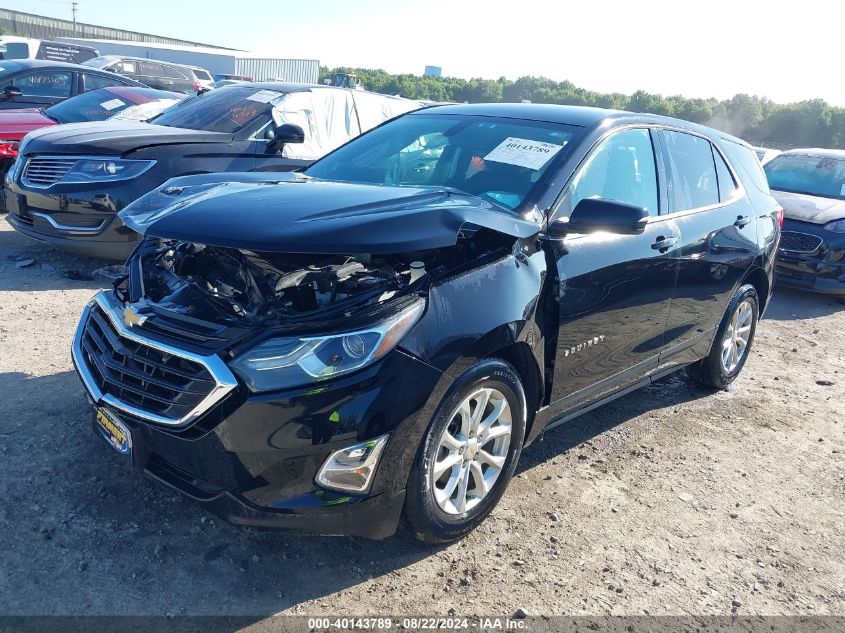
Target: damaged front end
x: 275, y: 316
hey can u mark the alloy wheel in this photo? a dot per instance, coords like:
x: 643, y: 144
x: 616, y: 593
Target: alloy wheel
x: 737, y: 335
x: 471, y: 451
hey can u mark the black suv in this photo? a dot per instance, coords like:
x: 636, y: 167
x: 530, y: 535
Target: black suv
x: 151, y: 72
x: 383, y: 333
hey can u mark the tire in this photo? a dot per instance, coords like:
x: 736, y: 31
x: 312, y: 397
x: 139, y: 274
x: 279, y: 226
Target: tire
x: 713, y: 370
x: 441, y: 518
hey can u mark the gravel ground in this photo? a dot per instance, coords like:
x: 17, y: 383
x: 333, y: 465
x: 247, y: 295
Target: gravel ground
x: 671, y: 500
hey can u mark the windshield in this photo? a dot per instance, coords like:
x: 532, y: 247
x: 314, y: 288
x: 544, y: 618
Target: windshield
x: 96, y: 105
x: 100, y: 62
x: 496, y: 158
x: 228, y: 109
x: 813, y: 175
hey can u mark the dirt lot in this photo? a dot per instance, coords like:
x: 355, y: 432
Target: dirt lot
x: 673, y: 500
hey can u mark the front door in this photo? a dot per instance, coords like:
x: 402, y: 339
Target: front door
x: 615, y: 290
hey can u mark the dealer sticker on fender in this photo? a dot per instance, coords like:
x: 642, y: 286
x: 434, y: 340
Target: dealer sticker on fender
x: 523, y: 152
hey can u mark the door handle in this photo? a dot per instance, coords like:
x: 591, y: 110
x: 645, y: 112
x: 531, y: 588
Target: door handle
x: 664, y: 243
x: 742, y: 220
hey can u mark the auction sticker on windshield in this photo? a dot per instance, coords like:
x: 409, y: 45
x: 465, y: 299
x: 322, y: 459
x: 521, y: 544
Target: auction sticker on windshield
x: 523, y: 152
x: 114, y: 431
x: 111, y: 104
x: 264, y: 96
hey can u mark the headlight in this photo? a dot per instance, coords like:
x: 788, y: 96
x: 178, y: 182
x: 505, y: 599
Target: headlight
x: 278, y: 363
x: 105, y: 170
x: 351, y: 469
x: 837, y: 226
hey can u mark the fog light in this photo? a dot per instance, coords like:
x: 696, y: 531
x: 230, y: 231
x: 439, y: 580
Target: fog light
x: 351, y: 469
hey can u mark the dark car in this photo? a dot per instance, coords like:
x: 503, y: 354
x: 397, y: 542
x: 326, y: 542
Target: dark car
x: 151, y: 72
x: 349, y: 347
x: 29, y: 83
x: 123, y: 102
x: 810, y: 185
x: 62, y: 172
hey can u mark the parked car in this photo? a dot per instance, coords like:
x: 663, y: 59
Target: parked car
x: 40, y: 84
x: 810, y: 184
x: 151, y: 72
x: 119, y: 102
x: 765, y: 154
x: 246, y: 127
x: 203, y: 77
x: 357, y: 342
x: 12, y: 47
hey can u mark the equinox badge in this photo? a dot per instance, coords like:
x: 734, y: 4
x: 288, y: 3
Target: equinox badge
x: 588, y: 343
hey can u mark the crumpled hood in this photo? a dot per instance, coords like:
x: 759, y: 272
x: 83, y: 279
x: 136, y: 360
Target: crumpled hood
x: 15, y: 124
x: 815, y: 209
x: 293, y: 214
x: 113, y: 138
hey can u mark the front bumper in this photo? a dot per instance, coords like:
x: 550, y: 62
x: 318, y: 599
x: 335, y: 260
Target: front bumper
x: 811, y: 258
x: 252, y: 458
x: 79, y: 221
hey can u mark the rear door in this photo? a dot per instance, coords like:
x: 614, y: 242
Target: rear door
x: 615, y: 290
x: 718, y: 240
x: 152, y: 74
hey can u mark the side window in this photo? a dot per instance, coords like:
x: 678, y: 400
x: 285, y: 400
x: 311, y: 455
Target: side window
x: 693, y: 182
x: 174, y: 73
x: 46, y: 83
x: 727, y: 184
x: 622, y: 168
x: 95, y: 82
x: 745, y: 159
x: 148, y: 69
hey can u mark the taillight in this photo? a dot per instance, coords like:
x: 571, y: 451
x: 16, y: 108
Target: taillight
x: 197, y: 86
x: 780, y: 216
x: 8, y: 149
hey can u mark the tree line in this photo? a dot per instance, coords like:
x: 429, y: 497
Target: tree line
x: 812, y: 123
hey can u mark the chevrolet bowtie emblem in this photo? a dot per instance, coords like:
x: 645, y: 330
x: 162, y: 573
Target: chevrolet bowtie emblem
x: 130, y: 317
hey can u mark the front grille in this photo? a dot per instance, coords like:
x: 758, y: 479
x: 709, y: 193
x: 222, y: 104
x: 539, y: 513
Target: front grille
x: 799, y: 242
x: 43, y: 172
x: 141, y: 376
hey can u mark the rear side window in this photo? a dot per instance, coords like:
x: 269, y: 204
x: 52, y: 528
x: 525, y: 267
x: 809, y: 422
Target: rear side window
x: 693, y: 182
x: 748, y: 165
x: 174, y: 73
x: 727, y: 184
x: 622, y: 169
x: 95, y: 82
x: 202, y: 75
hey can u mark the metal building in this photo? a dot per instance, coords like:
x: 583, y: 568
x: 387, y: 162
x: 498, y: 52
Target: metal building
x: 45, y: 28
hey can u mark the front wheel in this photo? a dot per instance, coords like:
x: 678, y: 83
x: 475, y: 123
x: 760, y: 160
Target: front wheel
x: 732, y: 343
x: 468, y: 454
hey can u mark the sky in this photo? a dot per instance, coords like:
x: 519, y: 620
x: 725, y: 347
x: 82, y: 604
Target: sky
x: 786, y: 51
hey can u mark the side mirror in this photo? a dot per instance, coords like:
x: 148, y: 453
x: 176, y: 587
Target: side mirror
x: 12, y: 91
x: 597, y: 214
x: 286, y: 133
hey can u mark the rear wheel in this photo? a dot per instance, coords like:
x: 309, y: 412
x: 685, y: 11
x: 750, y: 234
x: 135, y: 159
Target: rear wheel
x: 732, y: 343
x: 468, y: 454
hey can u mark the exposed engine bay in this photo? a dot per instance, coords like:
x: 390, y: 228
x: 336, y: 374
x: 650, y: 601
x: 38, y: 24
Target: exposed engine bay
x: 235, y: 285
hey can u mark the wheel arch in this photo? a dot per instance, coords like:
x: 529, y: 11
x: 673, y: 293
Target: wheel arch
x: 758, y: 278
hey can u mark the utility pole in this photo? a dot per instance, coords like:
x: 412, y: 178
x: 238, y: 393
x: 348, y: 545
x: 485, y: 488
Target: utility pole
x: 74, y: 17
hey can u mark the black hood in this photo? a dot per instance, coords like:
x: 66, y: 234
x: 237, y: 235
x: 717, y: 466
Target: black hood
x: 112, y: 138
x: 294, y: 214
